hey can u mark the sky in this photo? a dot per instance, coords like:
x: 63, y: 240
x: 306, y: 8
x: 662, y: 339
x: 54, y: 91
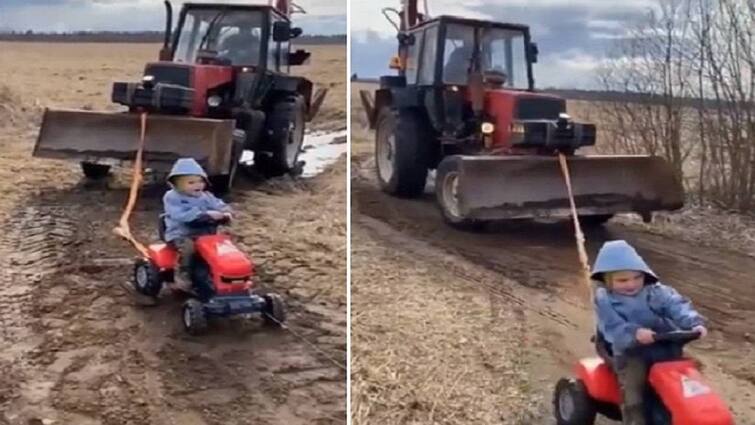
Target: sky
x: 325, y: 17
x: 572, y: 35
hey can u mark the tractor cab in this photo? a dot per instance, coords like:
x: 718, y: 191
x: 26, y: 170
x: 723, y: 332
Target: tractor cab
x: 232, y: 35
x: 447, y: 50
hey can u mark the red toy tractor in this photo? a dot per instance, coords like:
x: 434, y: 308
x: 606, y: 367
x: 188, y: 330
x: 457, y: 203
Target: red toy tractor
x: 676, y: 394
x: 221, y: 281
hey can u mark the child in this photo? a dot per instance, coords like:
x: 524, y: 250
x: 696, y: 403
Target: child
x: 631, y: 306
x: 190, y: 212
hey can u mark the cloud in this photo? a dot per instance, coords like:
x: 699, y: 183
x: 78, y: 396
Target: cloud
x: 323, y: 16
x: 573, y: 35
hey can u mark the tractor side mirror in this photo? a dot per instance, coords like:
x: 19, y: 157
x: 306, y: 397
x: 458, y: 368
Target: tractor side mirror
x: 405, y: 39
x: 296, y: 32
x: 281, y: 31
x: 533, y: 51
x: 298, y: 57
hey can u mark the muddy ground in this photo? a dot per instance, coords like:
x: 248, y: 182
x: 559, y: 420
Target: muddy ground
x: 75, y: 348
x: 453, y: 327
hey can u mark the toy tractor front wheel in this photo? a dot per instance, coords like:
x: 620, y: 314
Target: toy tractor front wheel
x: 275, y: 310
x: 572, y: 404
x: 147, y: 280
x: 194, y: 317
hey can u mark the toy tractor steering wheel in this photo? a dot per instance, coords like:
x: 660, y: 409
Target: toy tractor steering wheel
x: 682, y: 337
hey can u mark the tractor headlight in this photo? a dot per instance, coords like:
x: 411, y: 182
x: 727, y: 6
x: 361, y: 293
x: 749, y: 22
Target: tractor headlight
x: 214, y: 101
x: 487, y: 128
x: 517, y: 128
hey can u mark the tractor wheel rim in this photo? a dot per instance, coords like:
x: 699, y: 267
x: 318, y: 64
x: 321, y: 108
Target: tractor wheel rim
x: 565, y: 405
x: 451, y: 194
x: 142, y: 277
x: 386, y: 150
x: 187, y: 317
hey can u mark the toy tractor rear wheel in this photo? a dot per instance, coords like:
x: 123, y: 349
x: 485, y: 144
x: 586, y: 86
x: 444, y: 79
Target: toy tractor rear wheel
x: 194, y: 318
x: 95, y: 171
x: 572, y: 404
x: 401, y: 152
x: 285, y: 129
x: 147, y: 280
x: 275, y: 310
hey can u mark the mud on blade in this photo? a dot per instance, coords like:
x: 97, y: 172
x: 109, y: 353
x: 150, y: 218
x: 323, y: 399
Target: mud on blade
x: 533, y: 187
x: 88, y: 135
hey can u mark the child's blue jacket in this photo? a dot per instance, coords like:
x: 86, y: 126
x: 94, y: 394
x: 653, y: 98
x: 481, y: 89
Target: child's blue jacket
x: 656, y: 306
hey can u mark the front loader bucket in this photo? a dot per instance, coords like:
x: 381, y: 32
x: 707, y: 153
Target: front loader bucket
x: 492, y: 187
x: 93, y: 136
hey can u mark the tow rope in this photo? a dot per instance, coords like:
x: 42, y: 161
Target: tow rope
x: 578, y: 235
x: 123, y: 229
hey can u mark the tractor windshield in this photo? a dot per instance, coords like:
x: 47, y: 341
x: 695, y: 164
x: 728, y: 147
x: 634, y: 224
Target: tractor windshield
x: 234, y: 35
x: 500, y: 51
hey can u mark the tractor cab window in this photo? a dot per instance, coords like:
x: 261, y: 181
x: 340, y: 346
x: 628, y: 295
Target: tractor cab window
x: 457, y: 53
x: 503, y: 53
x: 234, y: 35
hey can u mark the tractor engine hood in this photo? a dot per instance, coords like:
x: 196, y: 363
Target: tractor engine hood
x: 173, y: 88
x: 534, y: 120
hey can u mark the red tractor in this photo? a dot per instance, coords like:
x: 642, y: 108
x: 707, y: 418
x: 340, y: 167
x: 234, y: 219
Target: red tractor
x: 676, y: 393
x: 464, y: 104
x: 222, y: 281
x: 221, y: 86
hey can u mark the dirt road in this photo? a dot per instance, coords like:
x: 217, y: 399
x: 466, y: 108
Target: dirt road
x: 436, y: 281
x: 74, y: 346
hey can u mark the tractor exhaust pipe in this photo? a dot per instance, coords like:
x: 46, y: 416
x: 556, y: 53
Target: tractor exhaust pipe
x: 166, y: 52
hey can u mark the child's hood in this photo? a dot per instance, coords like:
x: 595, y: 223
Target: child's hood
x: 186, y: 167
x: 619, y: 255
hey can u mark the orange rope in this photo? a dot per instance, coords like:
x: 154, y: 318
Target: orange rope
x: 124, y: 230
x: 580, y: 237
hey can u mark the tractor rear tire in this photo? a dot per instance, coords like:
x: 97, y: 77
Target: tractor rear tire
x: 95, y: 171
x: 194, y: 318
x: 285, y: 129
x: 572, y: 404
x: 446, y: 185
x: 401, y: 152
x: 274, y: 313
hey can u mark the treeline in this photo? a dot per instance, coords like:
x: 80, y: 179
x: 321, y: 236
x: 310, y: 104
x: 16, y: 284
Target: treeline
x: 698, y: 51
x: 133, y: 37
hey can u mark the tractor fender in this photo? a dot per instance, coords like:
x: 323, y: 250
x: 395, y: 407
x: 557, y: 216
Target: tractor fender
x: 286, y: 84
x: 599, y: 379
x: 686, y: 395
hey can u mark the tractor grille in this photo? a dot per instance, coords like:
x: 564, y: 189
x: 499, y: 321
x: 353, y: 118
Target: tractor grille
x: 539, y: 108
x: 170, y: 74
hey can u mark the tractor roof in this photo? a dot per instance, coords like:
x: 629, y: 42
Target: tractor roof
x: 233, y: 6
x: 450, y: 19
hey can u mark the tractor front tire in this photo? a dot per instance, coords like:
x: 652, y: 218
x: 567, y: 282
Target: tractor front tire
x: 447, y: 197
x: 147, y: 280
x: 572, y: 404
x: 95, y: 171
x: 401, y: 152
x: 194, y: 318
x: 274, y: 313
x: 221, y: 184
x: 285, y: 130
